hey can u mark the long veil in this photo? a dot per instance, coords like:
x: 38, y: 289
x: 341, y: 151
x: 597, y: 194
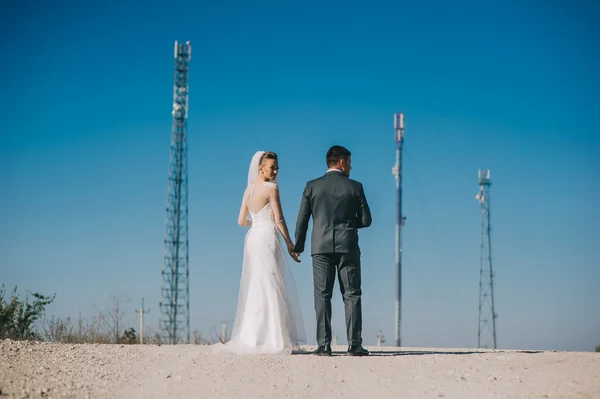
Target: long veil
x: 253, y: 173
x: 253, y: 169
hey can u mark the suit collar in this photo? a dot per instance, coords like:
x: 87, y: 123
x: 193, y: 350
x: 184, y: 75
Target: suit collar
x: 335, y: 172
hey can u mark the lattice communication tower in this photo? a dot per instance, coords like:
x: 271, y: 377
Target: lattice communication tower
x: 175, y: 304
x: 486, y: 331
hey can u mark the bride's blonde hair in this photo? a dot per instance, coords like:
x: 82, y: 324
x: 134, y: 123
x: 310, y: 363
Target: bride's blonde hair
x: 267, y: 155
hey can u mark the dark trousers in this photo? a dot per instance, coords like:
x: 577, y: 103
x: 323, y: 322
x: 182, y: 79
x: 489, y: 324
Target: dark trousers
x: 348, y: 271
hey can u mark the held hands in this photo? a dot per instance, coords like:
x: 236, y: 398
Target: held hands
x: 290, y: 248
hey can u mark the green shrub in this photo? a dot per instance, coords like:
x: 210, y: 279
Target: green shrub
x: 17, y: 317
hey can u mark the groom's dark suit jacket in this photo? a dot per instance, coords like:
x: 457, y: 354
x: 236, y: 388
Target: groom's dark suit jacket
x: 339, y: 208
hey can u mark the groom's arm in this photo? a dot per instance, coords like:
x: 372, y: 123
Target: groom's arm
x: 302, y: 222
x: 364, y: 214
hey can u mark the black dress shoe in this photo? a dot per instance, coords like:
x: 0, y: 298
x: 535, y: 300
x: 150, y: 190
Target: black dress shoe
x: 323, y: 351
x: 357, y: 350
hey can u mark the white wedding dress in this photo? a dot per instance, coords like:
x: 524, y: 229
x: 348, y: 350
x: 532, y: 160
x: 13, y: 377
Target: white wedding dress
x: 268, y: 318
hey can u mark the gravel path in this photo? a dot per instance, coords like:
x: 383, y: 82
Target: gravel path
x: 29, y: 369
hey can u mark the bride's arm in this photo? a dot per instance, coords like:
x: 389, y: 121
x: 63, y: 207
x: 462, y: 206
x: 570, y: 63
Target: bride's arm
x: 243, y: 217
x: 278, y: 214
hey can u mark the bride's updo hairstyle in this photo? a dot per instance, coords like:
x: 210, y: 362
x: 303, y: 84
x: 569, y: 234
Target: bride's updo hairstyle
x: 267, y: 155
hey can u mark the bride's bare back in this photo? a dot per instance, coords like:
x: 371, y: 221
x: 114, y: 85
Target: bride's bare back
x: 256, y: 197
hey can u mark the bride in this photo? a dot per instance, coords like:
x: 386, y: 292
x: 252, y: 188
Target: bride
x: 268, y: 318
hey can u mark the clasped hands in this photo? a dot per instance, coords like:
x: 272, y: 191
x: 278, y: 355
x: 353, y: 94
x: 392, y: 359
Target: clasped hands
x: 295, y: 256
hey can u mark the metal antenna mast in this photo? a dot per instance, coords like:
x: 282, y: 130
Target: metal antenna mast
x: 397, y: 172
x: 486, y: 332
x: 142, y: 311
x: 175, y: 304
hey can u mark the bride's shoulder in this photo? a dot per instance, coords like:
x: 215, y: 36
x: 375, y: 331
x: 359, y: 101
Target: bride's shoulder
x: 271, y: 185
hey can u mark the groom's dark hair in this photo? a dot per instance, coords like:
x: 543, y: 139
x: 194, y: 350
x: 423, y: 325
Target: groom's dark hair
x: 335, y: 153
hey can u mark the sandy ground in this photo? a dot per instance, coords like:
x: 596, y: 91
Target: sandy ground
x: 29, y: 369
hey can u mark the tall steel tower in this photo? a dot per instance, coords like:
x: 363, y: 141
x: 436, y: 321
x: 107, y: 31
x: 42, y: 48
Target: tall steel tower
x: 486, y: 332
x: 397, y: 172
x: 175, y: 304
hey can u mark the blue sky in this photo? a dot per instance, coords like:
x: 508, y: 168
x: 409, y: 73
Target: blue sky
x: 510, y: 86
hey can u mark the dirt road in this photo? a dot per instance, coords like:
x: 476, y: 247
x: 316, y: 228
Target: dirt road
x: 29, y: 369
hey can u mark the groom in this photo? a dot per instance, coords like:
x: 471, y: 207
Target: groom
x: 339, y: 208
